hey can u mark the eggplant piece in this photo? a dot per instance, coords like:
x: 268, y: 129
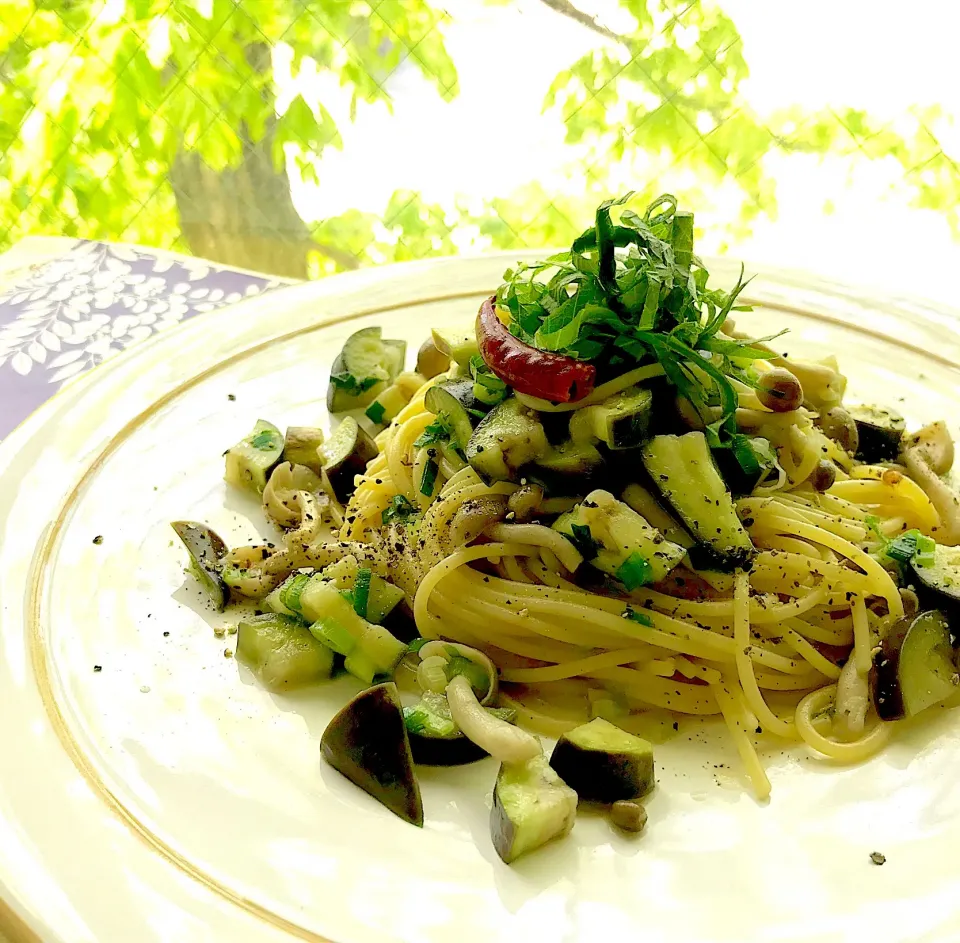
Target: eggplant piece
x: 450, y: 399
x: 938, y: 583
x: 301, y: 446
x: 684, y: 471
x: 458, y: 345
x: 344, y: 456
x: 509, y: 436
x: 744, y: 465
x: 532, y: 805
x: 281, y: 652
x: 603, y: 763
x: 431, y: 361
x: 367, y: 742
x: 436, y: 740
x: 915, y: 667
x: 207, y: 550
x: 365, y: 366
x: 571, y: 459
x: 620, y: 422
x: 609, y: 533
x: 250, y: 461
x: 879, y: 432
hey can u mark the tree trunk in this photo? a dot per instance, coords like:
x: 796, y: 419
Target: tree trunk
x: 242, y: 216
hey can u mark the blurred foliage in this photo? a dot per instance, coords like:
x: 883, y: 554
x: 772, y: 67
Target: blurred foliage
x: 165, y: 124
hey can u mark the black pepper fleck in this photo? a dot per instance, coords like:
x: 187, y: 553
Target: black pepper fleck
x: 877, y: 858
x: 98, y: 539
x: 98, y: 667
x: 231, y: 397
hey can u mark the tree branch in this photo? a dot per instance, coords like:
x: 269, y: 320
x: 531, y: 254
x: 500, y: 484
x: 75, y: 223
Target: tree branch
x: 567, y: 9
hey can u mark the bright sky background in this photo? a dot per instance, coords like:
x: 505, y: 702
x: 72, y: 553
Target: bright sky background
x: 880, y: 55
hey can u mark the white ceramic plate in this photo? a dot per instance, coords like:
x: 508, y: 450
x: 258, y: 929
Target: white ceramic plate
x: 167, y: 797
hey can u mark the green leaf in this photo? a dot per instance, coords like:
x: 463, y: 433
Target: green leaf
x: 638, y: 617
x: 439, y: 431
x: 635, y: 572
x: 583, y: 540
x: 351, y: 384
x: 399, y: 511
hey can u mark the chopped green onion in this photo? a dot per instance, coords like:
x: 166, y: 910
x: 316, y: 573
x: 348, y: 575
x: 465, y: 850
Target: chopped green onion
x: 638, y: 617
x: 361, y: 591
x: 635, y: 571
x: 474, y: 673
x: 375, y: 412
x: 292, y: 590
x: 334, y: 634
x: 903, y: 547
x: 926, y: 547
x: 429, y: 479
x: 417, y: 644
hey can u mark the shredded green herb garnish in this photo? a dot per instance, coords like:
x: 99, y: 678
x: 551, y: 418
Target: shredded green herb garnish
x: 352, y: 385
x: 397, y: 511
x: 375, y: 412
x: 439, y: 431
x: 632, y: 292
x: 487, y: 386
x: 429, y: 479
x: 583, y: 540
x: 638, y: 617
x: 265, y: 441
x: 635, y: 571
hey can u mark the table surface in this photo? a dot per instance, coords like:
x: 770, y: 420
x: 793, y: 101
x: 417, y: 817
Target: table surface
x: 67, y: 305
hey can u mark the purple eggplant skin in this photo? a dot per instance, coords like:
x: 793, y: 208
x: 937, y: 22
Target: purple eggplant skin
x: 884, y: 680
x: 207, y: 549
x: 367, y: 742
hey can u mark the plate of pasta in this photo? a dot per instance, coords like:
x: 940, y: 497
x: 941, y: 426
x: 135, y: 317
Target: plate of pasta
x: 599, y: 589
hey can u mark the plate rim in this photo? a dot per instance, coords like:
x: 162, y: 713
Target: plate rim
x: 346, y: 285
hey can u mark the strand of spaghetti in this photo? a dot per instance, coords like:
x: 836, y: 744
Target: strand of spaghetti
x: 861, y: 635
x: 809, y: 454
x: 884, y: 584
x: 798, y: 565
x: 794, y: 512
x: 680, y: 696
x: 817, y: 633
x: 840, y: 507
x: 856, y: 752
x: 772, y: 681
x: 810, y: 654
x: 538, y: 721
x: 548, y: 576
x: 902, y: 495
x: 536, y: 647
x: 513, y: 570
x: 536, y: 535
x: 748, y: 680
x: 590, y: 609
x: 580, y: 666
x: 398, y: 453
x: 723, y: 609
x: 733, y: 716
x: 465, y: 477
x: 696, y: 669
x: 602, y: 392
x: 775, y: 542
x: 513, y: 612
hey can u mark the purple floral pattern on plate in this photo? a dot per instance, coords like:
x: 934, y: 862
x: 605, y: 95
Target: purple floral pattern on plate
x: 69, y: 314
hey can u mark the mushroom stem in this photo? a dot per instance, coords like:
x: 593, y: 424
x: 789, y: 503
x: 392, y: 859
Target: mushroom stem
x: 501, y: 740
